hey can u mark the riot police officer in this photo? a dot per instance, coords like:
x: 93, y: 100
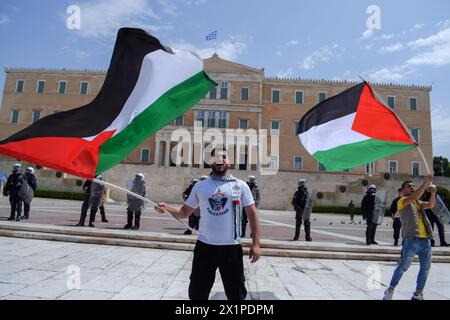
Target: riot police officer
x: 32, y: 182
x: 256, y: 197
x: 370, y: 205
x: 93, y: 198
x: 135, y: 205
x: 12, y: 188
x: 302, y: 204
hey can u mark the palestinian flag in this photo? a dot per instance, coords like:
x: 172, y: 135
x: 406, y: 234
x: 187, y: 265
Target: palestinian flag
x: 351, y: 129
x: 147, y: 86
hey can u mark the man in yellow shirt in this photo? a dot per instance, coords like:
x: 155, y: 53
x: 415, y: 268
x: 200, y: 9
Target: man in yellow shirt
x: 417, y: 232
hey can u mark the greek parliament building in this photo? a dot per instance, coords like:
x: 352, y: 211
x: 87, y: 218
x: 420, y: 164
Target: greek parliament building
x: 244, y: 99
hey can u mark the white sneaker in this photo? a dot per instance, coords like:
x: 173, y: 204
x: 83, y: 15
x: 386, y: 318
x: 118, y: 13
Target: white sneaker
x: 388, y: 294
x: 419, y: 297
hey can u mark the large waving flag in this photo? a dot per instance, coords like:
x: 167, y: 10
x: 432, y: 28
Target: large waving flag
x: 351, y: 129
x: 147, y: 86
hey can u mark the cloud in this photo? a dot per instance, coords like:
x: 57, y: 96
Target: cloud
x: 390, y: 74
x: 102, y: 18
x: 437, y: 50
x: 292, y: 43
x: 392, y: 48
x: 279, y: 53
x: 417, y: 26
x: 367, y: 34
x: 441, y: 130
x: 386, y: 36
x: 288, y: 73
x: 323, y: 54
x: 443, y: 24
x: 227, y: 49
x: 169, y: 8
x: 195, y: 2
x: 3, y: 19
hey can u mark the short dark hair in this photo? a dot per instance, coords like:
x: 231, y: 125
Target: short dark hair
x: 219, y: 148
x: 405, y: 183
x: 399, y: 190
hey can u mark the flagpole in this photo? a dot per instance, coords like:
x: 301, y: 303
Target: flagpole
x: 139, y: 197
x: 424, y: 160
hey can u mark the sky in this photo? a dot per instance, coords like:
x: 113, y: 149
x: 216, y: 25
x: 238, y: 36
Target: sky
x: 400, y: 41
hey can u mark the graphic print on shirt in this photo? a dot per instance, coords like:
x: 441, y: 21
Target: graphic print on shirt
x: 217, y: 203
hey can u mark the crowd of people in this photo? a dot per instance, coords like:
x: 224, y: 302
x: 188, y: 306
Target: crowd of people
x: 212, y: 198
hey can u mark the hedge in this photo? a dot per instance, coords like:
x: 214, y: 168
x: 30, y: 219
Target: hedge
x: 55, y: 194
x: 339, y: 209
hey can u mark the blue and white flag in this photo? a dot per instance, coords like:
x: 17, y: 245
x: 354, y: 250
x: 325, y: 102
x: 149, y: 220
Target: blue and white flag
x: 212, y: 35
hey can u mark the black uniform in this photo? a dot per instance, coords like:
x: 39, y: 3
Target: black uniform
x: 32, y: 182
x: 135, y: 205
x: 299, y: 201
x: 397, y: 225
x: 12, y: 188
x: 367, y: 209
x: 434, y: 220
x: 194, y: 218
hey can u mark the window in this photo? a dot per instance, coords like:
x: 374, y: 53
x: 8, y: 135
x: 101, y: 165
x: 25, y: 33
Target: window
x: 275, y: 96
x: 393, y: 166
x: 370, y: 168
x: 415, y: 168
x: 222, y: 119
x: 391, y: 102
x: 201, y: 117
x: 274, y: 127
x: 179, y: 121
x: 296, y: 123
x: 298, y: 162
x: 321, y: 167
x: 243, y: 123
x: 211, y: 119
x: 15, y: 114
x: 36, y: 115
x: 145, y: 155
x: 40, y: 86
x: 19, y: 86
x: 224, y: 91
x: 213, y: 93
x: 322, y: 96
x: 347, y: 170
x: 62, y: 85
x: 84, y: 87
x: 299, y: 97
x: 413, y: 103
x: 415, y: 134
x: 274, y: 162
x: 244, y: 94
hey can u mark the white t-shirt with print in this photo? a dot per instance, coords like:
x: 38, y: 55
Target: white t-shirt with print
x: 214, y: 198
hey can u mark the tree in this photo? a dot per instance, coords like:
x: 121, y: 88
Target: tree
x: 441, y: 167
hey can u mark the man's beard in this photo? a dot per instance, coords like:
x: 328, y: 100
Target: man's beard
x: 218, y: 171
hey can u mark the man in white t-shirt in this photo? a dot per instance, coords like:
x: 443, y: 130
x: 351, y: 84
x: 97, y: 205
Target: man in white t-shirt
x: 221, y: 199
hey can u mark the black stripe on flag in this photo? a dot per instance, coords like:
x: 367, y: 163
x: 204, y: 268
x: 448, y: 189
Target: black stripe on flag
x: 333, y: 108
x: 129, y: 51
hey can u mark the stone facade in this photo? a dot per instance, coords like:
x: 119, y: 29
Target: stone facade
x: 244, y: 98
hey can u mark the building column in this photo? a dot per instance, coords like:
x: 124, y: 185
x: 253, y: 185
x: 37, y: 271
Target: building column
x: 157, y: 151
x: 166, y: 160
x: 258, y: 159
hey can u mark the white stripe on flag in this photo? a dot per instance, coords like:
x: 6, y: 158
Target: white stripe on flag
x: 330, y: 135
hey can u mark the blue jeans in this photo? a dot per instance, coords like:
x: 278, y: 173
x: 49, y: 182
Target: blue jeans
x: 411, y: 247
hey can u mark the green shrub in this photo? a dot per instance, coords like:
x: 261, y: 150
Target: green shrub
x: 444, y: 193
x: 339, y: 209
x: 56, y: 194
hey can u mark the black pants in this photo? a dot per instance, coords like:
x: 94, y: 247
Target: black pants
x: 137, y: 219
x: 434, y: 220
x: 397, y: 225
x: 370, y: 232
x: 16, y: 206
x: 229, y: 260
x: 298, y: 224
x: 84, y: 210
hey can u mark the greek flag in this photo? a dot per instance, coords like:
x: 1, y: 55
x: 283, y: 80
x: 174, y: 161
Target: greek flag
x: 212, y: 35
